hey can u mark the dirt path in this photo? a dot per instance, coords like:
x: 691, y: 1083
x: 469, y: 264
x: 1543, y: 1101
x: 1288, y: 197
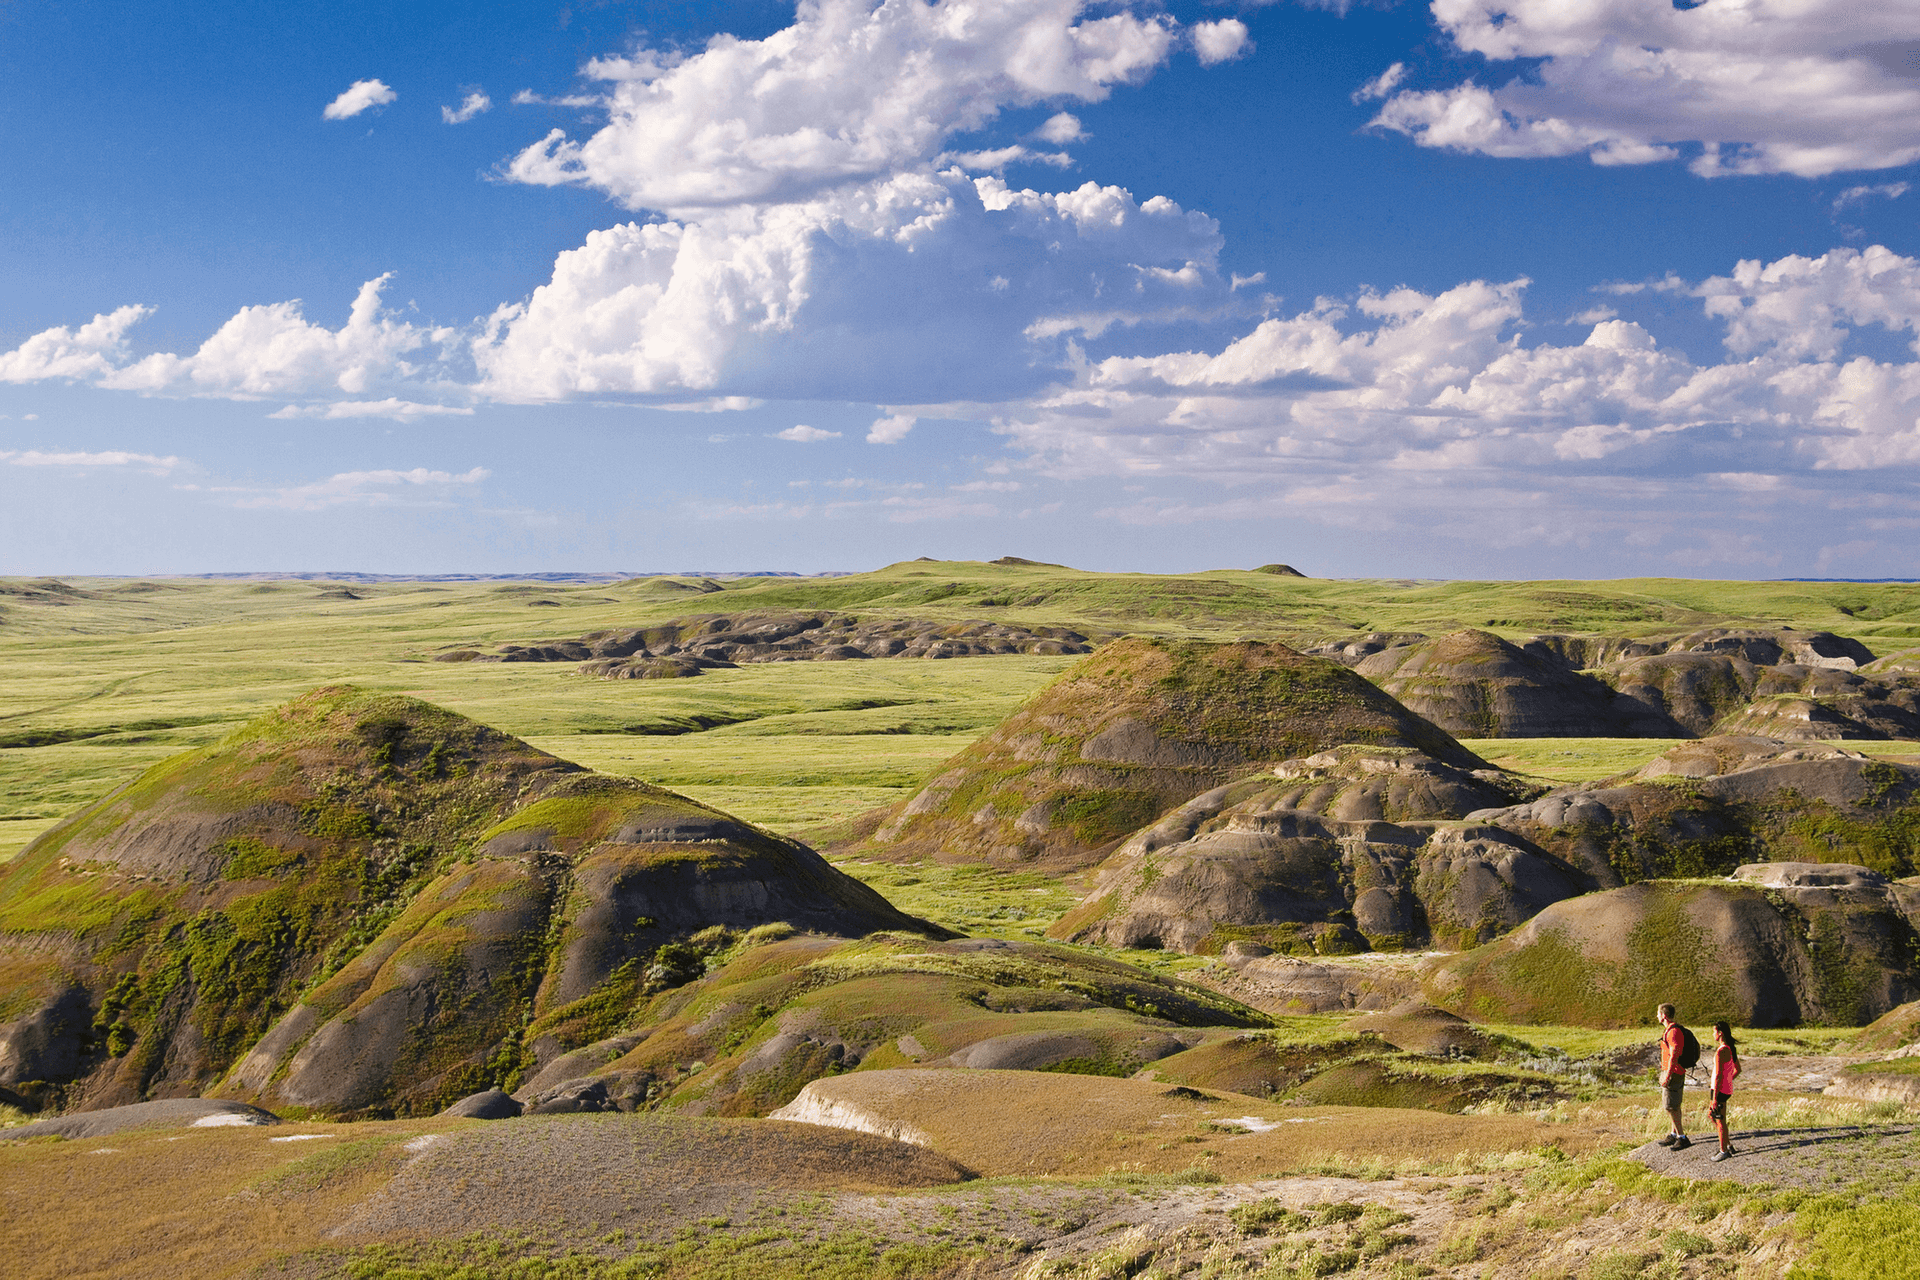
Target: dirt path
x: 1812, y: 1159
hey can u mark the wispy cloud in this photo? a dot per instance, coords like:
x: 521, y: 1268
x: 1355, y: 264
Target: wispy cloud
x: 419, y: 487
x: 470, y: 106
x: 803, y: 434
x: 397, y: 409
x: 528, y: 98
x: 106, y: 458
x: 1857, y: 195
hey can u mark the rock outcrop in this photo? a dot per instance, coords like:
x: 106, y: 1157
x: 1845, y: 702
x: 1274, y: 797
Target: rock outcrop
x: 686, y: 646
x: 1133, y: 731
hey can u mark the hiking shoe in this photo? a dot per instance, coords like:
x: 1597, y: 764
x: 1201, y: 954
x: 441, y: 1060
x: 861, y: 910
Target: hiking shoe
x: 1718, y: 1156
x: 1669, y: 1140
x: 1681, y: 1142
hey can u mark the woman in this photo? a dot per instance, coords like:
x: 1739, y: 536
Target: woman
x: 1726, y: 1065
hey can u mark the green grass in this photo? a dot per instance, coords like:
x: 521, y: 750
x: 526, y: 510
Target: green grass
x: 1564, y: 761
x: 970, y: 897
x: 1568, y: 760
x: 1584, y: 1042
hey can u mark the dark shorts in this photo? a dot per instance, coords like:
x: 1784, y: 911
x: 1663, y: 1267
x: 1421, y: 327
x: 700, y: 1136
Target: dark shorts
x: 1718, y: 1111
x: 1675, y: 1089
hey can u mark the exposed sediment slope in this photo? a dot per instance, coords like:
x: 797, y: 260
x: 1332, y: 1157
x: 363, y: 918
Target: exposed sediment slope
x: 1782, y: 683
x: 1340, y: 852
x: 1133, y: 731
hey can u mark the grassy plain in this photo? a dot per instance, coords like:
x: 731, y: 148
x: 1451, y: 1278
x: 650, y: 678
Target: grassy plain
x: 100, y: 678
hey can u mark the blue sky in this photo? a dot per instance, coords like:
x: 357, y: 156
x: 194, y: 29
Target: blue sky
x: 1514, y: 290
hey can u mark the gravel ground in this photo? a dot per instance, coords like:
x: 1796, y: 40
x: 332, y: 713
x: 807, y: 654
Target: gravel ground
x: 1813, y: 1159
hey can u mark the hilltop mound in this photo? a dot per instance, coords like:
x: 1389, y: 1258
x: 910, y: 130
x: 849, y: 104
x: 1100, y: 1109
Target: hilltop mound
x: 1335, y: 854
x: 422, y: 878
x: 1475, y: 684
x: 1125, y: 735
x: 1766, y: 951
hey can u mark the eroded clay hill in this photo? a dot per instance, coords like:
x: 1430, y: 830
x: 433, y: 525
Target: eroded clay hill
x: 1778, y: 944
x: 1350, y: 850
x: 1477, y: 685
x: 1133, y: 731
x: 686, y: 646
x: 1781, y: 683
x: 1363, y: 849
x: 386, y: 892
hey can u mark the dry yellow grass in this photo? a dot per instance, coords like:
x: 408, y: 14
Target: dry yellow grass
x: 1032, y: 1123
x: 202, y: 1202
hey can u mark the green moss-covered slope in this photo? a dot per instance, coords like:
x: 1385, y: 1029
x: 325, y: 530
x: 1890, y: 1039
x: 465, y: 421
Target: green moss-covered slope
x: 1753, y: 955
x: 358, y: 902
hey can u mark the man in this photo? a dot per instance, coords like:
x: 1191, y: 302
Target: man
x: 1673, y: 1076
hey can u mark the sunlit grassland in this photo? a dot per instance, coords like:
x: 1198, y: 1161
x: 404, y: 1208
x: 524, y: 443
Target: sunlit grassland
x: 1567, y: 761
x: 1584, y: 1042
x: 104, y: 677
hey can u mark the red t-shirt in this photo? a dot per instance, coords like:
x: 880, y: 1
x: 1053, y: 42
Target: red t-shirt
x: 1670, y: 1045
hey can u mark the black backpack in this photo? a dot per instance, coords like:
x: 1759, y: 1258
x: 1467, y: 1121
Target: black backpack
x: 1689, y: 1050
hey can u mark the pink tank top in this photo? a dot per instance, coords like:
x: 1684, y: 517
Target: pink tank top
x: 1723, y: 1075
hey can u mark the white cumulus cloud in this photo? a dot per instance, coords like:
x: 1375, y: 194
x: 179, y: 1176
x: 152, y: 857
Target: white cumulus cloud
x: 362, y: 95
x: 925, y: 285
x: 95, y: 348
x: 1424, y: 412
x: 1805, y: 87
x: 1060, y: 129
x: 1222, y: 41
x: 1381, y: 85
x: 802, y: 434
x: 851, y: 92
x: 267, y: 350
x: 891, y: 429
